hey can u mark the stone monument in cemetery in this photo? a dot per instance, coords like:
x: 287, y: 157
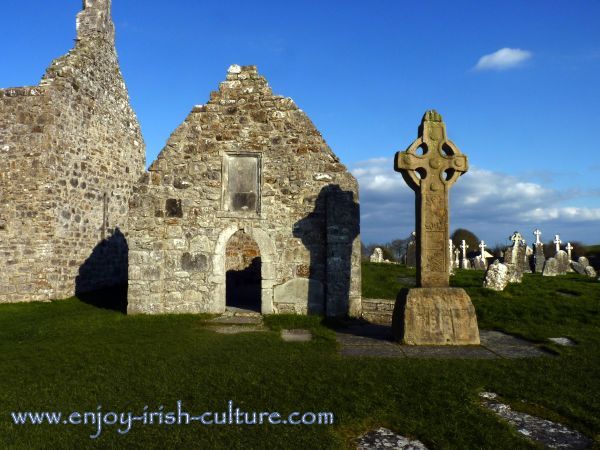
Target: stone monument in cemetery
x: 249, y: 173
x: 514, y: 258
x: 538, y: 254
x: 411, y: 251
x: 433, y: 313
x: 464, y: 262
x: 377, y: 255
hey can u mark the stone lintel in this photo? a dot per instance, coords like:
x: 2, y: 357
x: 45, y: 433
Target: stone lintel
x: 435, y: 316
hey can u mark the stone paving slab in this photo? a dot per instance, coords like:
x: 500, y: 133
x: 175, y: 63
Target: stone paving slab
x: 382, y: 438
x: 296, y: 335
x: 236, y: 329
x: 370, y: 340
x: 237, y: 320
x: 448, y: 352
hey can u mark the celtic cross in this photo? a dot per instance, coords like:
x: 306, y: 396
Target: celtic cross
x: 557, y: 242
x: 430, y: 166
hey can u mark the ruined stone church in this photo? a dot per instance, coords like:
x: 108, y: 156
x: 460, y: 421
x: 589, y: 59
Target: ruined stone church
x: 246, y: 206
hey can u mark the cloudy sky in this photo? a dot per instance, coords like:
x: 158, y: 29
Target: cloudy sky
x: 516, y: 82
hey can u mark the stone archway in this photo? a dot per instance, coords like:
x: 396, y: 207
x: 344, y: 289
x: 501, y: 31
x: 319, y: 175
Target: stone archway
x: 243, y: 273
x: 268, y: 258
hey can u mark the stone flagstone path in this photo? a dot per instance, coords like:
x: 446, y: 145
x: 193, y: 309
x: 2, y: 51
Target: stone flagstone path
x: 376, y: 341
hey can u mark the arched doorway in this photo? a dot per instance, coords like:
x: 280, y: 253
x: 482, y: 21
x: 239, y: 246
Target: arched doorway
x: 243, y: 267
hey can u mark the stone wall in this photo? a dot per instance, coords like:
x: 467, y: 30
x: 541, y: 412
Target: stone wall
x: 247, y: 160
x: 376, y: 310
x: 70, y: 150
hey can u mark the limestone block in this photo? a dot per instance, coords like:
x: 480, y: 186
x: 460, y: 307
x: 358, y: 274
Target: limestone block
x: 583, y: 261
x: 496, y: 277
x: 515, y: 273
x: 302, y: 291
x: 578, y: 267
x: 435, y: 316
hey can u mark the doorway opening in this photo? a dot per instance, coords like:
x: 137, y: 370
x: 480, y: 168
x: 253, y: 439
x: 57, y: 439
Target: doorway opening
x: 243, y: 273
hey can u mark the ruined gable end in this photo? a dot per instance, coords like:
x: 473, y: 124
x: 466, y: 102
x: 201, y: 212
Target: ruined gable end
x: 247, y: 186
x: 70, y: 151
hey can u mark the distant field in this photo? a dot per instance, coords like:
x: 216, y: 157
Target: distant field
x: 71, y: 356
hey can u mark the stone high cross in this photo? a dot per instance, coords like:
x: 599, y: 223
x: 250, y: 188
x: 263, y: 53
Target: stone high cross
x: 516, y: 239
x: 557, y: 242
x: 430, y: 166
x: 537, y: 233
x: 464, y: 247
x: 569, y: 247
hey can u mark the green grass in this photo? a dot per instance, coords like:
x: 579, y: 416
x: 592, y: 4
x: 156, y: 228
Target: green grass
x: 71, y: 356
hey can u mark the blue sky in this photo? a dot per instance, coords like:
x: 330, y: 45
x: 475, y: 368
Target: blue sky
x: 365, y: 72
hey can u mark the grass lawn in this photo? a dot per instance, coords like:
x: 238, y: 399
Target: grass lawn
x: 72, y: 356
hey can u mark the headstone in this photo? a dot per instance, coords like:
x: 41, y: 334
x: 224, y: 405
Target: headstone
x: 527, y: 261
x: 464, y: 262
x: 496, y: 277
x: 514, y: 258
x: 411, y: 254
x: 479, y: 263
x: 450, y: 260
x: 550, y: 268
x: 568, y: 248
x: 563, y: 261
x: 590, y: 272
x: 456, y: 258
x: 578, y: 267
x: 557, y: 242
x: 433, y: 313
x: 538, y: 258
x: 377, y: 255
x: 537, y: 233
x: 482, y: 247
x: 583, y: 261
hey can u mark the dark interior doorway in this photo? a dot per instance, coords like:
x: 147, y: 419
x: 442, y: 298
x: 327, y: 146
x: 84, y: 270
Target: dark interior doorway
x: 243, y: 273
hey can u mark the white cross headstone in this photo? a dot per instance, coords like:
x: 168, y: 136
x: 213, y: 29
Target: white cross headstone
x: 537, y: 233
x: 482, y: 247
x: 450, y: 248
x: 464, y: 247
x: 456, y: 258
x: 557, y: 242
x: 569, y: 247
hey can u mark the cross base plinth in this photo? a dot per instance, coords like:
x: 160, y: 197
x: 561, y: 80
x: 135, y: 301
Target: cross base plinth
x: 435, y: 316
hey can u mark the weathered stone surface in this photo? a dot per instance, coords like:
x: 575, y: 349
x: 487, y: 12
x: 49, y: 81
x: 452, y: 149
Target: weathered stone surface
x: 435, y: 316
x: 564, y: 341
x: 550, y: 268
x: 433, y: 313
x: 578, y: 267
x: 562, y: 261
x: 383, y: 438
x: 590, y: 272
x: 478, y: 263
x: 296, y: 335
x: 378, y: 310
x: 583, y: 261
x: 300, y: 294
x: 377, y: 255
x: 496, y: 277
x: 515, y: 273
x: 71, y: 152
x: 248, y: 181
x: 538, y: 258
x: 545, y: 432
x: 411, y: 254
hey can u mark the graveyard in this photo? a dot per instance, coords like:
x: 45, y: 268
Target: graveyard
x: 69, y: 354
x: 236, y: 271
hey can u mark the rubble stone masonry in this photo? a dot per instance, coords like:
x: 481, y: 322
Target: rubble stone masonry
x: 70, y: 151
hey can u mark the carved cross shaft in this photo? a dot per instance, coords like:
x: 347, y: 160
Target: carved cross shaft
x: 430, y: 166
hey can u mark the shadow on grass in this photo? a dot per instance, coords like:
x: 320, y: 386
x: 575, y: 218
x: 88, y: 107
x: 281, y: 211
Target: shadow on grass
x: 113, y: 298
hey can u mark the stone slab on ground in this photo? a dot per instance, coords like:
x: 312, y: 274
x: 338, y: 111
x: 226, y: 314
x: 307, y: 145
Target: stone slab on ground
x: 382, y: 438
x: 508, y: 346
x: 296, y: 335
x: 372, y: 340
x: 237, y: 320
x: 236, y: 329
x: 564, y: 341
x: 545, y: 432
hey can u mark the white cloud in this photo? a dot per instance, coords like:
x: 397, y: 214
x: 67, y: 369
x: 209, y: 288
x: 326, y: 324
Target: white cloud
x: 491, y: 204
x: 505, y: 58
